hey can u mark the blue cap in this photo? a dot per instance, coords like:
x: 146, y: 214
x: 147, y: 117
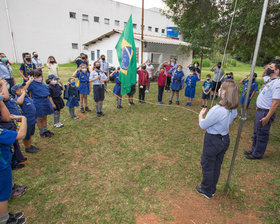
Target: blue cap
x: 1, y: 97
x: 230, y: 73
x: 15, y: 88
x: 52, y: 76
x: 255, y: 75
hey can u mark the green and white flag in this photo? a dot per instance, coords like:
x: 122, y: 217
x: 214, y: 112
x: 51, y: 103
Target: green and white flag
x: 127, y: 58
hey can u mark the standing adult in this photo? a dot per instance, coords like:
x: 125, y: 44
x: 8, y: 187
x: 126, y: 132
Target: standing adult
x: 104, y: 65
x: 35, y: 59
x: 6, y: 71
x: 218, y: 74
x: 267, y: 102
x: 150, y: 70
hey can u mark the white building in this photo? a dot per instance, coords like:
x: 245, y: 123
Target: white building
x: 61, y: 27
x: 156, y: 48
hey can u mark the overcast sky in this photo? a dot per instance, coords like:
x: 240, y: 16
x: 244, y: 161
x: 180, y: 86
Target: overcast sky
x: 147, y: 3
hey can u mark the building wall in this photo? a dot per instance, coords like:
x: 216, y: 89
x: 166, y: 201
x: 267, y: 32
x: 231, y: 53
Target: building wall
x: 45, y: 25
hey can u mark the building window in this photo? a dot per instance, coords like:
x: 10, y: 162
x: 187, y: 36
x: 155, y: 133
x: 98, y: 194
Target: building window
x: 106, y: 21
x: 149, y: 28
x: 156, y: 30
x: 110, y: 56
x: 85, y: 47
x: 96, y: 19
x: 134, y: 26
x: 92, y: 55
x: 98, y: 53
x: 72, y: 15
x: 117, y: 22
x: 85, y: 17
x: 162, y: 30
x: 74, y: 46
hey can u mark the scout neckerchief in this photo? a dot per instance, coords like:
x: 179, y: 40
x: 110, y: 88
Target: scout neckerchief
x: 37, y: 62
x: 11, y: 74
x: 26, y: 69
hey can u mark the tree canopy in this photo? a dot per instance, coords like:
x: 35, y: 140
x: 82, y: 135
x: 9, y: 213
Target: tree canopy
x: 206, y: 23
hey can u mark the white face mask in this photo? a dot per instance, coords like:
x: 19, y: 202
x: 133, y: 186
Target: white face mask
x: 54, y: 82
x: 84, y: 70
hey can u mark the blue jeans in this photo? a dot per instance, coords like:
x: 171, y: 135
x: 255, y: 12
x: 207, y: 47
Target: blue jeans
x: 214, y: 149
x: 261, y: 134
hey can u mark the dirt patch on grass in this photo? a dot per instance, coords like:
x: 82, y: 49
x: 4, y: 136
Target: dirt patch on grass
x: 92, y: 141
x: 147, y: 219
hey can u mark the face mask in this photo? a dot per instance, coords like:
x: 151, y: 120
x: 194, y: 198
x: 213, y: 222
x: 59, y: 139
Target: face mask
x: 51, y: 61
x: 195, y: 65
x: 83, y: 57
x: 178, y: 70
x: 39, y: 79
x: 219, y: 66
x: 172, y: 63
x: 148, y: 63
x: 230, y: 77
x: 162, y: 71
x: 97, y: 67
x: 54, y: 82
x: 28, y: 59
x: 103, y: 59
x: 84, y: 70
x: 36, y: 56
x: 269, y: 71
x: 4, y: 60
x: 208, y: 79
x: 73, y: 83
x: 144, y: 67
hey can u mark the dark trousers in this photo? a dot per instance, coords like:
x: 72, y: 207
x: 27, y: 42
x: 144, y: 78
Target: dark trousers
x: 214, y: 149
x: 168, y: 82
x: 261, y: 134
x: 160, y: 93
x: 142, y: 93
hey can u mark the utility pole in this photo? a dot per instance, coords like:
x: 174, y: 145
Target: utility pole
x: 142, y: 32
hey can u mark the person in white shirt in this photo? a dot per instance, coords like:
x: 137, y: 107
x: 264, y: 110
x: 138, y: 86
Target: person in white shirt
x: 150, y: 70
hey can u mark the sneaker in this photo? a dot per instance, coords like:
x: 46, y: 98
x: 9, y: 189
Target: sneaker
x: 16, y: 221
x: 57, y: 125
x: 177, y: 103
x: 143, y: 101
x: 247, y: 153
x: 76, y: 117
x: 170, y: 102
x: 118, y: 107
x: 17, y: 191
x: 50, y: 133
x: 98, y: 114
x: 34, y: 147
x: 60, y: 125
x: 45, y: 135
x: 199, y: 190
x: 15, y: 186
x: 102, y: 114
x: 87, y: 109
x: 132, y: 104
x: 146, y: 91
x: 250, y: 156
x: 16, y: 215
x: 121, y: 106
x: 202, y: 106
x: 160, y: 103
x: 17, y: 166
x: 22, y: 161
x: 82, y: 110
x: 31, y: 150
x: 129, y: 104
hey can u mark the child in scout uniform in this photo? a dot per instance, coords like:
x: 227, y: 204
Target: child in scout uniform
x: 206, y: 90
x: 55, y: 87
x: 83, y: 75
x: 29, y: 111
x: 40, y: 94
x: 191, y: 84
x: 71, y: 94
x: 7, y: 139
x: 253, y: 90
x: 216, y: 139
x: 26, y: 66
x: 177, y: 83
x: 131, y: 94
x: 117, y: 87
x: 98, y: 80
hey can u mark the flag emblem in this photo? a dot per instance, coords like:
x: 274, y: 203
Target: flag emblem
x: 127, y: 53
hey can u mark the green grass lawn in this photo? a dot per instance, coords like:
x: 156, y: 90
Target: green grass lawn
x: 137, y: 161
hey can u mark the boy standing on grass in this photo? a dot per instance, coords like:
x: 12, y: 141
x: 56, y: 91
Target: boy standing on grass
x: 206, y: 88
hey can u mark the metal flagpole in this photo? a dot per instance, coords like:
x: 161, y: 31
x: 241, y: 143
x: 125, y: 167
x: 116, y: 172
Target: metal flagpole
x: 248, y: 91
x: 142, y: 32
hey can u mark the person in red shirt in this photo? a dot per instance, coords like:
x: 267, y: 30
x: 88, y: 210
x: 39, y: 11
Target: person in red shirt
x: 161, y: 84
x: 168, y: 65
x: 143, y: 82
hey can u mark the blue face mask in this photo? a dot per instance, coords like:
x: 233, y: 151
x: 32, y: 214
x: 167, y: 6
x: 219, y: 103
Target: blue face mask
x: 73, y: 83
x: 4, y: 60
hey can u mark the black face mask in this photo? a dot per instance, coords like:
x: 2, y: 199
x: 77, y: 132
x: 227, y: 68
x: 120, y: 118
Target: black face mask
x: 83, y: 57
x: 97, y: 67
x: 28, y: 59
x: 51, y: 61
x: 269, y: 71
x: 36, y: 56
x: 103, y: 59
x: 219, y: 66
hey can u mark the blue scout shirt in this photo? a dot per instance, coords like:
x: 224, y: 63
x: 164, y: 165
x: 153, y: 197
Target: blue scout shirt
x: 104, y: 66
x: 94, y: 74
x: 55, y: 90
x: 7, y: 139
x: 38, y: 90
x: 83, y: 77
x: 28, y: 110
x: 12, y: 106
x: 29, y: 67
x: 6, y: 71
x: 254, y: 87
x: 218, y: 120
x: 80, y: 61
x: 37, y: 62
x: 207, y: 86
x: 191, y: 80
x: 270, y: 91
x: 116, y: 78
